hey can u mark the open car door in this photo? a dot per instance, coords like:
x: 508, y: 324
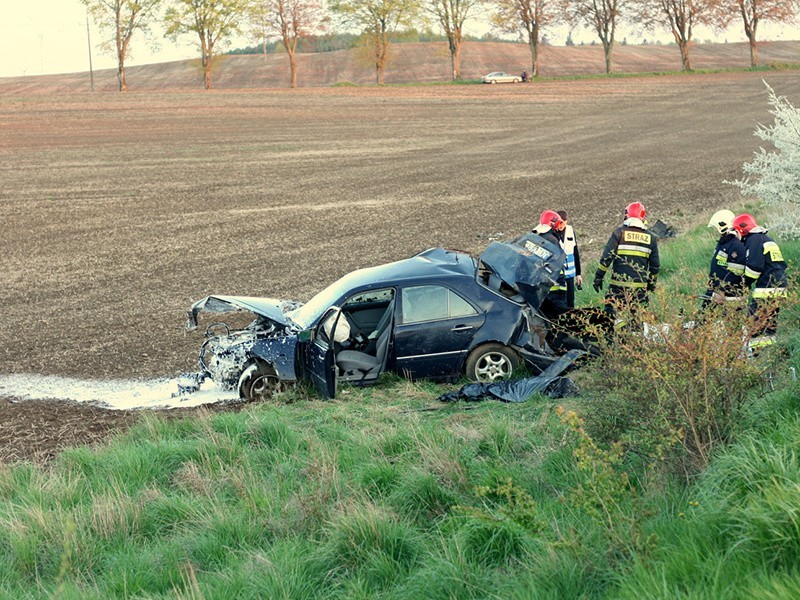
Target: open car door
x: 321, y: 354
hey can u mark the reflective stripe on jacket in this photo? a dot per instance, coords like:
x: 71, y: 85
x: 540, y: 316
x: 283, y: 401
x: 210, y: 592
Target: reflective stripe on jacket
x: 570, y: 246
x: 632, y: 256
x: 727, y: 266
x: 764, y: 265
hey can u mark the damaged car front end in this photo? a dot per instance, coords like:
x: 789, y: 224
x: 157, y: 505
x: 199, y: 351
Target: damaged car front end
x: 227, y: 356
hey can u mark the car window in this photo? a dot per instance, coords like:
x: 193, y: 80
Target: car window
x: 460, y: 307
x: 433, y: 302
x: 371, y: 297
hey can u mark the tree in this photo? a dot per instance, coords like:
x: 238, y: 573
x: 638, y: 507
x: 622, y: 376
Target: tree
x: 681, y: 16
x: 752, y: 13
x: 601, y: 15
x: 119, y: 19
x: 258, y: 19
x: 528, y: 17
x: 450, y: 15
x: 379, y: 20
x: 290, y: 21
x: 774, y: 177
x: 212, y: 20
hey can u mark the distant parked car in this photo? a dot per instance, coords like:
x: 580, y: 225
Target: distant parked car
x: 440, y: 314
x: 500, y: 77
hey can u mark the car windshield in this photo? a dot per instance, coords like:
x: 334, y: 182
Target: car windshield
x: 307, y: 315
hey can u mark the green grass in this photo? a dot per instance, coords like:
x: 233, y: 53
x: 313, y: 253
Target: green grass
x: 773, y: 66
x: 375, y: 495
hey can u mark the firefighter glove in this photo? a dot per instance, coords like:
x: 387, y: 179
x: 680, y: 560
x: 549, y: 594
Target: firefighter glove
x: 598, y: 284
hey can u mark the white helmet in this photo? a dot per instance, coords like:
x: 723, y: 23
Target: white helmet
x: 722, y: 220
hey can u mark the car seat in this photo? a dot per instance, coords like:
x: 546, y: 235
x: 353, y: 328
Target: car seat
x: 367, y: 362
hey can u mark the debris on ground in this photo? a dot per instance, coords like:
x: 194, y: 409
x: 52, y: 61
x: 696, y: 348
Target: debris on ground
x: 550, y: 383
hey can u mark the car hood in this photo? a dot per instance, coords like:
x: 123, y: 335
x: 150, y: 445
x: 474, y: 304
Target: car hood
x: 269, y: 308
x: 530, y: 264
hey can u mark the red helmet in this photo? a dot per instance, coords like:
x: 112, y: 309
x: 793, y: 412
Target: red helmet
x: 744, y: 224
x: 552, y: 219
x: 635, y: 210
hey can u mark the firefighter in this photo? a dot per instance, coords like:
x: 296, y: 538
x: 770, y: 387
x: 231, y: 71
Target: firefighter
x: 551, y: 227
x: 726, y: 276
x: 765, y: 271
x: 572, y: 267
x: 632, y: 256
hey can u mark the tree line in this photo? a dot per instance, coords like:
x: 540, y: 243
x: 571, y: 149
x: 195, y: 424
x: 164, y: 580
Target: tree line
x: 378, y: 23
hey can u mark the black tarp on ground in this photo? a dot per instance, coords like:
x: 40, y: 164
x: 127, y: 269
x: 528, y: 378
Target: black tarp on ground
x: 550, y: 383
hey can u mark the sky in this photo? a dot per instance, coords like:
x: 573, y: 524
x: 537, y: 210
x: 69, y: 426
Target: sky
x: 50, y: 36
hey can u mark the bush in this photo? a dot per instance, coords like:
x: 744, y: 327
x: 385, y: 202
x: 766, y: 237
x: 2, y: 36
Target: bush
x: 500, y: 530
x: 669, y: 384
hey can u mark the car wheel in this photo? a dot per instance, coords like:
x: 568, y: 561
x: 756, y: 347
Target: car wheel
x: 516, y: 80
x: 491, y: 362
x: 493, y: 81
x: 259, y: 384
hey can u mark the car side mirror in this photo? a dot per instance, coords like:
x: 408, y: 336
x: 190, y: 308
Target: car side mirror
x: 304, y: 336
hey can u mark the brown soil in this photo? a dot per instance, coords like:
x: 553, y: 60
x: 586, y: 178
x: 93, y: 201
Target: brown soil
x: 120, y: 210
x: 37, y: 431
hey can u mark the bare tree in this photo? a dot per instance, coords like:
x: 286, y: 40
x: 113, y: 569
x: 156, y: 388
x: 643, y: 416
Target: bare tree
x: 119, y: 19
x: 212, y: 20
x: 681, y: 16
x: 527, y: 17
x: 258, y: 19
x: 752, y: 13
x: 601, y: 15
x: 450, y: 15
x: 379, y: 20
x: 290, y: 21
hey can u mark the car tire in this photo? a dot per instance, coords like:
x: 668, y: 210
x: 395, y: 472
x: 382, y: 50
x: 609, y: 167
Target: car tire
x: 493, y: 81
x: 517, y: 80
x: 491, y: 362
x: 259, y: 384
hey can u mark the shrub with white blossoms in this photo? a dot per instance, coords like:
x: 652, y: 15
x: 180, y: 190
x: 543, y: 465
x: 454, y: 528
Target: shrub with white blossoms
x: 774, y: 176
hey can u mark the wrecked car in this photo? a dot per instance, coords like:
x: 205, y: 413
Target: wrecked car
x: 441, y: 314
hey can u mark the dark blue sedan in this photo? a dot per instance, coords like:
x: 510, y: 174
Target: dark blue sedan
x: 441, y: 314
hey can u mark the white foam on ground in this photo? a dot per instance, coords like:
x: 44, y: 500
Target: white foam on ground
x: 121, y: 394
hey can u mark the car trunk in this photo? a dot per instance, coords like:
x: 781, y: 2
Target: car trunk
x: 527, y: 266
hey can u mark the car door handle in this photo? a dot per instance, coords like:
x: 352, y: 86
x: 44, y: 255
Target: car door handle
x: 462, y: 328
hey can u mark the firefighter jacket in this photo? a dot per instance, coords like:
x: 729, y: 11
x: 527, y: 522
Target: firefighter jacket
x: 555, y: 238
x: 632, y: 255
x: 727, y: 266
x: 572, y: 266
x: 764, y: 265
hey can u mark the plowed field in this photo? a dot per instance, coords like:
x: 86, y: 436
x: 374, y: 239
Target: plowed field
x: 119, y: 211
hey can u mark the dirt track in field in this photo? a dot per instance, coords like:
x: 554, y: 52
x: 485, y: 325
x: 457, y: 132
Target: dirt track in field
x: 119, y: 211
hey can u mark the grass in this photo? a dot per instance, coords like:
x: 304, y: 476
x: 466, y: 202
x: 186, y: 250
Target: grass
x: 772, y: 66
x: 385, y: 493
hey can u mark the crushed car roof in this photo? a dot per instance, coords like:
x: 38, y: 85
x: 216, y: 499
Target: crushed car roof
x: 432, y: 262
